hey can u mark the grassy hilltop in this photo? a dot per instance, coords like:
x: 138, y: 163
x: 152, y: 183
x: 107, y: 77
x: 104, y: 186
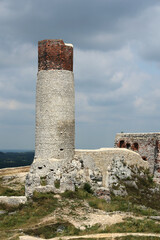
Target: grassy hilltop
x: 79, y: 213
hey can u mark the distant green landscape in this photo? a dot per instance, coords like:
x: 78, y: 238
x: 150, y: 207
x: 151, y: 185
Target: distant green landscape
x: 16, y: 159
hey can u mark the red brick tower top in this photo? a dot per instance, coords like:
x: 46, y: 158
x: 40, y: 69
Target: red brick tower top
x: 54, y: 54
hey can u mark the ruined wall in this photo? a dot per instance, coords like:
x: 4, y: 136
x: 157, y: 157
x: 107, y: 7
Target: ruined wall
x: 55, y: 119
x: 100, y: 168
x: 55, y: 157
x: 102, y: 159
x: 146, y: 144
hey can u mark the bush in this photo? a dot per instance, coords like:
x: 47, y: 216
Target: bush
x: 78, y: 194
x: 87, y: 188
x: 50, y: 231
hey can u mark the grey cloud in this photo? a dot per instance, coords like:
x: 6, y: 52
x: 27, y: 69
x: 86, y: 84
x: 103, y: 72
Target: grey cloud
x: 75, y: 21
x: 112, y: 40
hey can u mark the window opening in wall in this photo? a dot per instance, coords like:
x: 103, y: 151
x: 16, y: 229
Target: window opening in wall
x: 135, y: 145
x: 122, y: 144
x: 128, y: 145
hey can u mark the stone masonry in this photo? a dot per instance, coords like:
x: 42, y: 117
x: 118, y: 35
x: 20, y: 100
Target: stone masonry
x: 101, y: 168
x: 55, y: 120
x: 55, y: 117
x: 54, y: 54
x: 57, y: 166
x: 146, y: 144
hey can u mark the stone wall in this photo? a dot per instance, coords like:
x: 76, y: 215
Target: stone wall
x: 146, y: 144
x: 102, y: 159
x: 57, y: 166
x: 55, y: 122
x: 95, y: 167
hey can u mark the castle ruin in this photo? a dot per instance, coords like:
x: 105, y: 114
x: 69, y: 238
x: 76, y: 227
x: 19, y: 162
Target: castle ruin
x: 56, y: 159
x: 57, y: 165
x: 146, y: 144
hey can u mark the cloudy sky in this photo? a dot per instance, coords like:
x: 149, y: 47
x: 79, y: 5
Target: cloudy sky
x: 116, y: 66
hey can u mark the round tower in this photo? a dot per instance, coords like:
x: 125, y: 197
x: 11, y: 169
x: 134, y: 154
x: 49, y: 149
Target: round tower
x: 55, y: 101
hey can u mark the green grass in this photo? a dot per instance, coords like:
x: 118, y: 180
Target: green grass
x: 92, y: 238
x: 128, y: 226
x: 145, y: 195
x: 118, y: 203
x: 57, y: 184
x: 43, y: 181
x: 78, y: 194
x: 87, y: 187
x: 42, y: 205
x: 137, y: 238
x: 28, y: 215
x: 122, y: 238
x: 134, y: 225
x: 50, y: 231
x: 7, y: 191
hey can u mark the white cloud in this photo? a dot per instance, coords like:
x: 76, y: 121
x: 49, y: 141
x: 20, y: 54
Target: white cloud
x: 5, y: 11
x: 145, y: 106
x: 14, y: 105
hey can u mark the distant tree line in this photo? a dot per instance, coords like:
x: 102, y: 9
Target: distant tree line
x: 15, y: 159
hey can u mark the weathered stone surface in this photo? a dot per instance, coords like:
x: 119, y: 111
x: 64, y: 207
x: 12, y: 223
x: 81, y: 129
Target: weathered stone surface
x: 121, y: 191
x: 103, y: 159
x: 146, y: 144
x: 101, y: 168
x: 103, y: 194
x: 53, y: 170
x: 55, y: 120
x: 13, y: 200
x: 57, y: 166
x: 157, y: 218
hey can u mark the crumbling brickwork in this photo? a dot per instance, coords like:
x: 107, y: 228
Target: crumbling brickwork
x: 55, y: 54
x: 146, y: 144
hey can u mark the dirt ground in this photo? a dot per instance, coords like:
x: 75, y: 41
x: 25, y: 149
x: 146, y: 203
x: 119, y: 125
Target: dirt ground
x: 14, y: 171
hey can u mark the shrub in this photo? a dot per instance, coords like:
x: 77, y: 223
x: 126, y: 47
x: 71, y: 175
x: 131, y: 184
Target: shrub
x: 87, y: 188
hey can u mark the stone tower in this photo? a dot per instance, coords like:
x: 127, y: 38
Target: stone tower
x: 55, y: 118
x: 55, y: 104
x: 57, y: 167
